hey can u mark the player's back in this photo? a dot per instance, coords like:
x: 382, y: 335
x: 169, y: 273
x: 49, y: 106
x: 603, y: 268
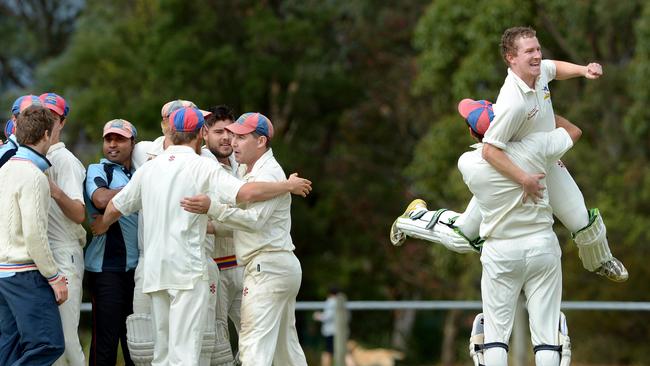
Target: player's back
x: 505, y: 215
x: 173, y: 237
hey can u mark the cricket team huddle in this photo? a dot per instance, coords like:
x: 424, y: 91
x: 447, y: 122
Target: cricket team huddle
x: 188, y: 230
x: 193, y: 228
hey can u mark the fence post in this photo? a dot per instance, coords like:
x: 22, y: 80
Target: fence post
x: 341, y: 332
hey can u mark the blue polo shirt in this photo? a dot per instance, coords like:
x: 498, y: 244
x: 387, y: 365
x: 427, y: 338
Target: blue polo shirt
x: 117, y: 249
x: 10, y: 147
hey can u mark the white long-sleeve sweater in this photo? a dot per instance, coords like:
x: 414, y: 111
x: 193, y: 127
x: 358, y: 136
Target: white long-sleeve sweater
x: 24, y: 206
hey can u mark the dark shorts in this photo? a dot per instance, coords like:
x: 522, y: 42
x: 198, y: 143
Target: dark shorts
x: 329, y: 344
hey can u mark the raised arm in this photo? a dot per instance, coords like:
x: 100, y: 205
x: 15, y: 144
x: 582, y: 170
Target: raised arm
x: 566, y: 70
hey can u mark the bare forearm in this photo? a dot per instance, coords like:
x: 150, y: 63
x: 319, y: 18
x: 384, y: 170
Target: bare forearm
x: 261, y: 191
x: 566, y: 70
x: 72, y: 209
x: 111, y: 215
x: 502, y: 163
x: 102, y: 196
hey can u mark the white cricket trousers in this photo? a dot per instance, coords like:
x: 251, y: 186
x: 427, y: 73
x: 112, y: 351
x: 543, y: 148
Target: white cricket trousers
x: 231, y: 285
x: 210, y: 305
x: 565, y: 198
x: 179, y: 318
x: 530, y: 264
x: 268, y: 326
x: 70, y: 260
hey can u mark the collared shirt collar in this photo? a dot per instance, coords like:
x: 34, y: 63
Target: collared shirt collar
x: 27, y: 153
x: 122, y: 167
x: 521, y: 84
x: 57, y: 146
x: 13, y: 139
x: 179, y: 149
x: 260, y: 162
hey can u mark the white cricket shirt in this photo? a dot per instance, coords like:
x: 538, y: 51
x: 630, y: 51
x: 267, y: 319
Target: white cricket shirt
x: 505, y: 216
x: 262, y: 226
x: 174, y: 238
x: 520, y: 110
x: 68, y: 173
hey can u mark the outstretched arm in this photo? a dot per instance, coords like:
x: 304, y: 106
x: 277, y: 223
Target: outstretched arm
x: 566, y: 70
x: 264, y: 191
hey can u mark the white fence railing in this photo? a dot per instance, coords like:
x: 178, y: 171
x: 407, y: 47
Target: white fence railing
x: 518, y: 334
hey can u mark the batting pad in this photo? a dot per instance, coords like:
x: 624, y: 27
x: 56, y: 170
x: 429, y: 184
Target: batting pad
x: 139, y: 338
x: 438, y: 233
x: 593, y: 247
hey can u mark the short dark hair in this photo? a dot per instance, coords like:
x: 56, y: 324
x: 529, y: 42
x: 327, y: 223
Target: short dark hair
x: 179, y: 138
x: 268, y: 140
x: 33, y: 123
x: 219, y: 113
x: 509, y: 38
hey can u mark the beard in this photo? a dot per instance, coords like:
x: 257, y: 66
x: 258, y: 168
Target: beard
x: 219, y: 154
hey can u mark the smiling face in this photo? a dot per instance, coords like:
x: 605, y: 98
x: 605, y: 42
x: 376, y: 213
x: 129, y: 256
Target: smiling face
x: 527, y: 59
x: 118, y: 148
x: 218, y: 139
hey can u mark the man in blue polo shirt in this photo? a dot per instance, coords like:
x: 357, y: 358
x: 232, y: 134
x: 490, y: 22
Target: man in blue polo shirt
x: 111, y: 258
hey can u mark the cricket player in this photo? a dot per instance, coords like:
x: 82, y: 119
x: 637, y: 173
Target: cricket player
x: 8, y: 149
x: 523, y: 107
x: 29, y: 277
x: 64, y: 232
x: 218, y: 141
x: 521, y: 252
x: 272, y: 273
x: 139, y: 327
x: 111, y: 258
x: 175, y: 267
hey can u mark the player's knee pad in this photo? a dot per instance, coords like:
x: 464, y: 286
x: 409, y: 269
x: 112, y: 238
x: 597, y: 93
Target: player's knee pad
x: 222, y: 355
x: 591, y: 240
x: 476, y: 341
x: 140, y: 338
x: 208, y: 343
x: 564, y: 341
x: 561, y: 351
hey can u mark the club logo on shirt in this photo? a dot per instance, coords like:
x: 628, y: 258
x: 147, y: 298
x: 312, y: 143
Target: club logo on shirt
x: 213, y: 288
x: 171, y: 157
x: 245, y: 292
x: 547, y: 92
x: 532, y: 113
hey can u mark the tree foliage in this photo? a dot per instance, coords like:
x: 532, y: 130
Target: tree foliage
x: 363, y: 97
